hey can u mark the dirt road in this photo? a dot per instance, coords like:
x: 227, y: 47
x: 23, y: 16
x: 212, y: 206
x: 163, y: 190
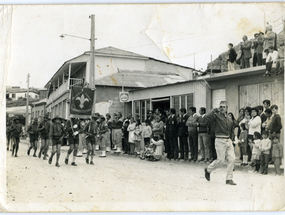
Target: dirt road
x: 125, y: 183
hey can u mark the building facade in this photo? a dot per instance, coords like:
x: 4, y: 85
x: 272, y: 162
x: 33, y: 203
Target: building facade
x: 108, y: 62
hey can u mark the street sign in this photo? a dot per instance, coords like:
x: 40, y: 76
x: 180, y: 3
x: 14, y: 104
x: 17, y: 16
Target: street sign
x: 124, y: 96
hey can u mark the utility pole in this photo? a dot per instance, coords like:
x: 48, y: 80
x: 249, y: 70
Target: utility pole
x: 27, y: 103
x: 92, y: 60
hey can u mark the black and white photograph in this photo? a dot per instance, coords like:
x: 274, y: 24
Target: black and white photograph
x: 142, y: 107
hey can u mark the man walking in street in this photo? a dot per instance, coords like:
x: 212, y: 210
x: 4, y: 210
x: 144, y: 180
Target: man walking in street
x: 225, y: 151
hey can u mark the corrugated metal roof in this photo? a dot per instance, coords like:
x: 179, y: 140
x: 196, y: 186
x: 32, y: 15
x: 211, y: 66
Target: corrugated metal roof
x: 115, y: 51
x: 139, y: 79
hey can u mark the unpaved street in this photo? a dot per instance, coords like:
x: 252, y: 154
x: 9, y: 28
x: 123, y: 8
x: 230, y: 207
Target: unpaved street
x: 128, y: 183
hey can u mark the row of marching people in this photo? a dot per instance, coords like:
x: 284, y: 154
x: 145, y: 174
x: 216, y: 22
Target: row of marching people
x: 98, y: 132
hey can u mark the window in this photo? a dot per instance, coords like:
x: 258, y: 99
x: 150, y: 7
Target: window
x: 190, y: 102
x: 137, y: 108
x: 176, y: 104
x: 183, y: 101
x: 183, y: 105
x: 143, y: 111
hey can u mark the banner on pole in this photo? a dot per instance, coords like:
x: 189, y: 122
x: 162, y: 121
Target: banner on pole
x: 81, y: 102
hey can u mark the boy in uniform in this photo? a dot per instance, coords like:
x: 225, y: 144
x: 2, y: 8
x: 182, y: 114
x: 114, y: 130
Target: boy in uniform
x: 72, y: 131
x: 16, y: 131
x: 44, y: 129
x: 34, y: 135
x: 56, y: 136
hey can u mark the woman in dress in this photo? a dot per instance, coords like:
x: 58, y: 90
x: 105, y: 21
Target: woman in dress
x: 131, y: 130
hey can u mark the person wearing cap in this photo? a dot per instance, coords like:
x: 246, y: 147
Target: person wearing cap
x: 16, y: 131
x: 103, y: 134
x: 34, y: 135
x: 72, y: 131
x: 56, y: 136
x: 224, y: 127
x: 82, y: 140
x: 44, y: 129
x: 91, y: 130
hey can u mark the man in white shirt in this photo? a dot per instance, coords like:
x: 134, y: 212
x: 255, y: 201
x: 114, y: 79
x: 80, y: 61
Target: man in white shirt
x: 271, y: 58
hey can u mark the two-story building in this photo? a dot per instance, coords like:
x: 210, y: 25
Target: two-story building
x: 15, y: 93
x: 113, y: 69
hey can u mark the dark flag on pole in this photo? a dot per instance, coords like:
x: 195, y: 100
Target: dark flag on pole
x: 81, y: 102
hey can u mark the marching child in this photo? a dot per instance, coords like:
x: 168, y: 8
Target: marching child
x: 256, y: 151
x: 56, y: 135
x: 265, y: 146
x: 277, y: 154
x: 34, y: 135
x: 72, y: 130
x: 16, y: 131
x: 243, y: 144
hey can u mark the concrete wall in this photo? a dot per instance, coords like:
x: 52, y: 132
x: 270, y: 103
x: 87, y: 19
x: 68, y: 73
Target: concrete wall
x: 232, y: 88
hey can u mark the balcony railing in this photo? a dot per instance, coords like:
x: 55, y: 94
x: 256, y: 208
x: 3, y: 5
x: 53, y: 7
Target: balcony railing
x: 63, y: 88
x: 75, y: 82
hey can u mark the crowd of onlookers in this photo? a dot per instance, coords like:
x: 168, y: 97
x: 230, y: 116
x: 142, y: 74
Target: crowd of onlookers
x: 186, y: 135
x: 263, y: 49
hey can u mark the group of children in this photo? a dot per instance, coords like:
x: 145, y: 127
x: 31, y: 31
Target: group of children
x: 260, y: 146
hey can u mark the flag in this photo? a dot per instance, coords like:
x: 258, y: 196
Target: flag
x: 81, y: 102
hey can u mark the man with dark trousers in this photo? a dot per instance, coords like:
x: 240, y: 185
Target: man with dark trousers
x: 173, y: 137
x: 166, y: 136
x: 182, y: 134
x: 192, y: 133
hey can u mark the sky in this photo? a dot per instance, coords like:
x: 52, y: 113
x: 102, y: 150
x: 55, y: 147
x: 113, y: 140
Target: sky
x: 178, y: 33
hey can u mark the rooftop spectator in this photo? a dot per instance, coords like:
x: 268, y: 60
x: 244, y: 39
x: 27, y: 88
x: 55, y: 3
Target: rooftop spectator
x: 254, y: 46
x: 232, y: 57
x: 271, y: 58
x: 259, y: 49
x: 246, y: 52
x: 280, y: 59
x: 270, y: 38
